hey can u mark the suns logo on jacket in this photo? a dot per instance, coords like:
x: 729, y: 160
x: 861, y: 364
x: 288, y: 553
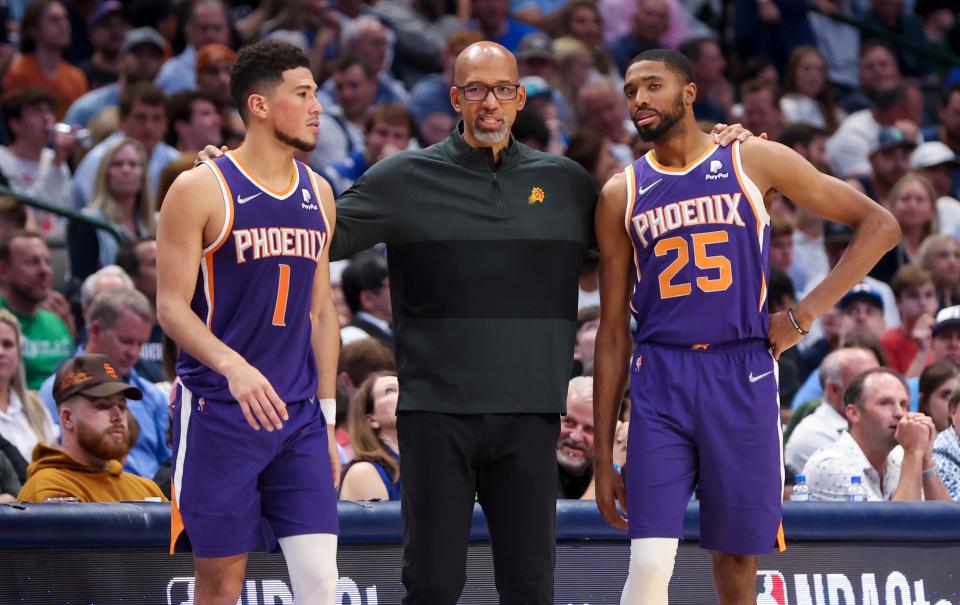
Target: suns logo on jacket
x: 536, y: 196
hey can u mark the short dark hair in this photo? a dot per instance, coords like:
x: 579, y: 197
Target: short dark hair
x: 366, y: 271
x: 868, y: 45
x: 674, y: 61
x: 127, y: 256
x: 181, y: 104
x: 5, y: 242
x: 260, y: 66
x: 15, y: 102
x: 693, y: 47
x: 348, y: 61
x: 853, y: 395
x: 145, y: 93
x: 799, y: 134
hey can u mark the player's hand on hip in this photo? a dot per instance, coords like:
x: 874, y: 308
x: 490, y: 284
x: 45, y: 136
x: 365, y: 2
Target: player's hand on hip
x: 725, y: 134
x: 334, y: 454
x: 210, y: 152
x: 610, y: 490
x: 782, y: 334
x: 260, y: 404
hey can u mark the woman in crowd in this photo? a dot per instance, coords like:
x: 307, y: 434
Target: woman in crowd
x: 946, y: 450
x: 582, y: 20
x: 940, y: 255
x: 24, y: 420
x: 937, y: 383
x: 374, y: 473
x: 122, y: 198
x: 574, y: 69
x: 914, y: 204
x: 806, y: 91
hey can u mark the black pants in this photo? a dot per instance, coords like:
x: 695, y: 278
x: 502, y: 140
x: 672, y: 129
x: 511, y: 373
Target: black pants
x: 507, y: 462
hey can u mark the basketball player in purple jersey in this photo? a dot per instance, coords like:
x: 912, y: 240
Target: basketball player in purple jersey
x: 244, y: 290
x: 689, y: 224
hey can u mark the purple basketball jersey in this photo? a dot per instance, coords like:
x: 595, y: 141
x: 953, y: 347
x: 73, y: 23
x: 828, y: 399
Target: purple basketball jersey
x: 256, y: 281
x: 701, y: 246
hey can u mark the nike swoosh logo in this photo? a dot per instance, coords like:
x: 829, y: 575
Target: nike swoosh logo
x: 642, y: 190
x: 243, y: 200
x: 756, y: 378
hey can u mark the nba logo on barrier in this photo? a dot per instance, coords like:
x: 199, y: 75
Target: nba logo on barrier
x: 773, y: 587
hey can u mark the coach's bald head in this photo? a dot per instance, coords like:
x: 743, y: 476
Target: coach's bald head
x: 487, y: 121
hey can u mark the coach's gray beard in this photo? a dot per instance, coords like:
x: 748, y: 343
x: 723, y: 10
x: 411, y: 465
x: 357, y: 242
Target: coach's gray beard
x: 491, y: 138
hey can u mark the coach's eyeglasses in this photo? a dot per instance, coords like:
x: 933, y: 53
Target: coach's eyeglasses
x: 479, y: 92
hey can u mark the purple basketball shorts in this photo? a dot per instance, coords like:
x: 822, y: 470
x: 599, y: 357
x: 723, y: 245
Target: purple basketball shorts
x: 237, y: 489
x: 706, y: 418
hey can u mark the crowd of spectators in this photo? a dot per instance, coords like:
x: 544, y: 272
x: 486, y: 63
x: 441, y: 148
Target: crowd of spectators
x: 104, y: 103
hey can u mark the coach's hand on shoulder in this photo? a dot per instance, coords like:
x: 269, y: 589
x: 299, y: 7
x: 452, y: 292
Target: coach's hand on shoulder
x: 610, y: 490
x: 210, y: 152
x: 260, y: 404
x: 725, y: 134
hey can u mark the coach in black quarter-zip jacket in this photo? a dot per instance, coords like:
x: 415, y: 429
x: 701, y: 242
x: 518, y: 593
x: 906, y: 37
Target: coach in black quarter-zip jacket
x: 484, y: 239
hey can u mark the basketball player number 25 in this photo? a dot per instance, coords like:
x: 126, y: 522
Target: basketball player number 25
x: 283, y: 288
x: 669, y: 289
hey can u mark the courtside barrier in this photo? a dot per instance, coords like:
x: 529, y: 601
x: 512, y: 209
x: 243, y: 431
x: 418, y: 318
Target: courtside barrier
x: 838, y: 554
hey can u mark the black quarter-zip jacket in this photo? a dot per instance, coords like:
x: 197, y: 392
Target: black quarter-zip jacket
x: 484, y: 265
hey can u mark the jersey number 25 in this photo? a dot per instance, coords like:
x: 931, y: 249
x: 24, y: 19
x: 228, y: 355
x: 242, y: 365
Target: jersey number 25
x: 703, y: 261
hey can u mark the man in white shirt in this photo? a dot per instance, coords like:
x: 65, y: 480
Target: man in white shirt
x: 30, y: 166
x: 897, y: 104
x: 827, y: 422
x: 887, y: 446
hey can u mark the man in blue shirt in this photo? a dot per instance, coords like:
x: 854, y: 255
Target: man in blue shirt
x: 140, y: 59
x: 490, y: 17
x: 389, y: 129
x: 119, y: 322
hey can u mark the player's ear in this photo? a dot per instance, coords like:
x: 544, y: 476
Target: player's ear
x: 257, y: 105
x: 690, y: 92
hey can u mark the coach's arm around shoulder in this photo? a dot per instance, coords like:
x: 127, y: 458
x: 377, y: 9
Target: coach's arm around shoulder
x: 772, y: 166
x: 191, y: 218
x: 612, y: 351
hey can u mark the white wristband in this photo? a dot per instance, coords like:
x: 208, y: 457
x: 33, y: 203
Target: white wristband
x: 329, y: 408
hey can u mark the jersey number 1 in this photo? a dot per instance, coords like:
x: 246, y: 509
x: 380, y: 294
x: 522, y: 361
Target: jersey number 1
x: 283, y: 289
x: 669, y: 289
